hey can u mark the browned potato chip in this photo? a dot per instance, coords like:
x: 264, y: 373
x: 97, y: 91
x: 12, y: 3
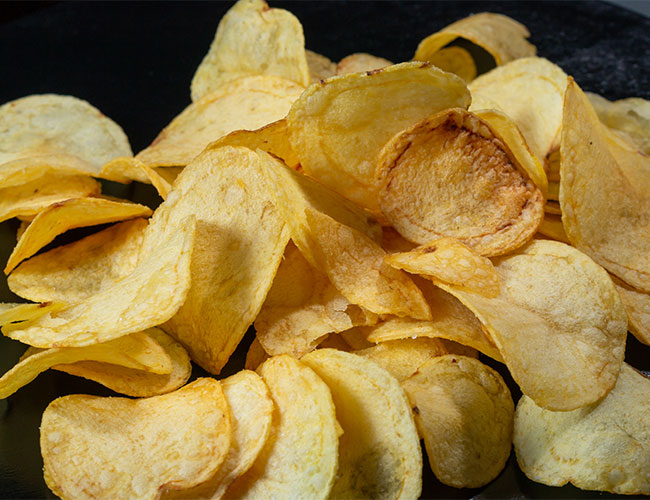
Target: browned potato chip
x: 360, y: 62
x: 121, y: 448
x: 464, y: 411
x: 603, y: 446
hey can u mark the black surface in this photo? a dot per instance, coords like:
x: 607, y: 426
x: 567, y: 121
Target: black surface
x: 135, y: 61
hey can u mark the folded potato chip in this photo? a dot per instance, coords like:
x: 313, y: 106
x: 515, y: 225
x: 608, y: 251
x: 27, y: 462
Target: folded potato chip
x: 604, y: 446
x: 361, y: 62
x: 121, y: 448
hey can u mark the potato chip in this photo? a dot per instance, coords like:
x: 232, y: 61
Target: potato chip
x: 334, y: 341
x: 253, y: 39
x: 553, y: 191
x: 134, y: 382
x: 251, y: 409
x: 136, y: 351
x: 552, y: 167
x: 603, y: 446
x: 455, y: 60
x: 361, y: 62
x: 501, y: 36
x: 379, y: 451
x: 332, y: 234
x: 239, y: 245
x: 338, y: 127
x: 464, y: 411
x: 356, y: 338
x: 248, y: 103
x: 552, y: 227
x: 393, y: 242
x: 552, y: 207
x: 147, y: 297
x: 300, y: 456
x: 610, y: 225
x: 60, y: 217
x: 450, y: 175
x: 14, y: 313
x: 29, y: 198
x: 95, y: 447
x: 73, y: 272
x: 302, y: 307
x: 637, y: 307
x: 558, y: 322
x: 320, y: 66
x: 449, y: 261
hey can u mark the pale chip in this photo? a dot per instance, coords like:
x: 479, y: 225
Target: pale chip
x: 320, y: 66
x: 637, y: 307
x: 361, y: 62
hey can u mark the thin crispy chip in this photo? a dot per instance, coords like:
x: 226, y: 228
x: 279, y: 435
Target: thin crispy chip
x: 450, y: 175
x: 603, y: 446
x: 73, y: 272
x: 379, y: 451
x: 239, y: 244
x: 501, y: 36
x: 455, y: 60
x: 147, y: 297
x: 552, y: 227
x: 558, y: 323
x: 300, y: 456
x: 253, y: 39
x: 356, y: 338
x: 60, y: 217
x: 334, y: 341
x: 15, y: 313
x: 610, y: 225
x: 361, y: 62
x: 637, y: 307
x: 125, y: 169
x: 449, y: 261
x: 337, y: 127
x: 320, y: 66
x: 464, y: 411
x: 121, y: 448
x: 248, y: 103
x: 137, y: 351
x: 251, y: 408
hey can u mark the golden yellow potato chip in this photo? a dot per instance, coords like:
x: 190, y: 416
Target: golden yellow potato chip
x: 504, y: 38
x: 69, y: 214
x: 393, y: 242
x: 361, y: 62
x: 356, y: 338
x: 332, y: 234
x: 552, y: 167
x: 320, y: 67
x: 552, y: 207
x: 14, y: 313
x: 603, y: 446
x: 449, y: 261
x: 239, y: 245
x: 147, y: 297
x: 338, y: 127
x: 464, y: 411
x: 29, y: 198
x: 334, y: 341
x: 449, y: 175
x: 136, y: 351
x: 49, y: 130
x: 553, y: 191
x: 300, y: 456
x: 135, y: 382
x: 558, y: 322
x: 637, y: 307
x: 253, y: 39
x: 509, y: 88
x: 379, y: 451
x: 552, y: 227
x: 255, y: 356
x: 73, y: 272
x: 121, y: 448
x: 455, y: 60
x: 248, y: 103
x: 302, y: 307
x: 251, y: 409
x: 610, y: 225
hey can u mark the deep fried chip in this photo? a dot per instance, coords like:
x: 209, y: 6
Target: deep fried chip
x: 121, y: 448
x: 15, y: 313
x: 320, y: 67
x: 255, y: 356
x: 464, y: 411
x: 637, y: 307
x: 455, y: 60
x: 552, y: 227
x: 361, y: 62
x: 604, y: 446
x: 379, y: 451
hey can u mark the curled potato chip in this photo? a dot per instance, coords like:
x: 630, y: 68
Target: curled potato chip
x: 338, y: 127
x: 147, y: 297
x: 464, y: 411
x: 136, y: 351
x: 448, y: 260
x: 501, y: 36
x: 379, y: 451
x: 637, y: 307
x: 253, y: 39
x: 455, y: 60
x: 125, y: 169
x: 300, y: 457
x: 95, y: 447
x: 449, y: 175
x: 251, y: 409
x: 360, y: 62
x: 248, y: 103
x: 558, y: 322
x: 136, y: 382
x: 69, y: 214
x: 603, y: 446
x: 73, y: 272
x: 320, y: 66
x: 610, y: 225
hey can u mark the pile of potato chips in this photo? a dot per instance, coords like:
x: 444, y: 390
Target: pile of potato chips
x: 380, y: 225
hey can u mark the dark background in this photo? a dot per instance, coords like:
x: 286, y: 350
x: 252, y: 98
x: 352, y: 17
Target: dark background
x: 134, y: 61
